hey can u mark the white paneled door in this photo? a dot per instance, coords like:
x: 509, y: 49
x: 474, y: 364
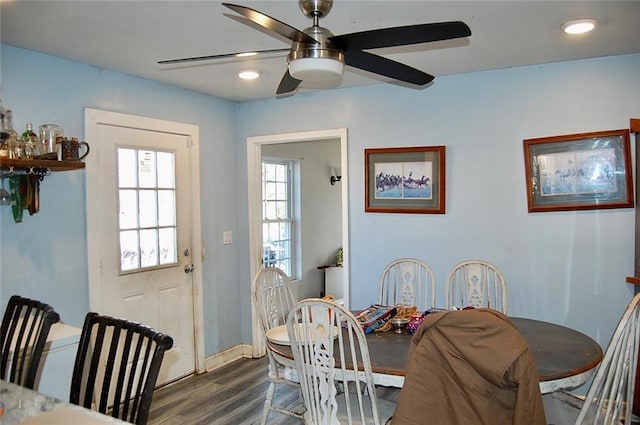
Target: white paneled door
x: 143, y: 236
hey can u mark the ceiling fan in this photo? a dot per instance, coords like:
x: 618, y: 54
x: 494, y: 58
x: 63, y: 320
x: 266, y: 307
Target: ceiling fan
x: 316, y: 55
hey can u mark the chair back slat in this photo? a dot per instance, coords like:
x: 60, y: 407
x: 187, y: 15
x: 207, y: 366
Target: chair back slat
x: 25, y: 327
x: 113, y: 351
x: 117, y: 366
x: 121, y: 375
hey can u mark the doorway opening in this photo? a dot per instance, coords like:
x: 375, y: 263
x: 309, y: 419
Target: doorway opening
x: 255, y: 147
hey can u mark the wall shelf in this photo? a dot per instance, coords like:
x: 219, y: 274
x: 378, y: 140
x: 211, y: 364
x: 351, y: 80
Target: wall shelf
x: 36, y: 166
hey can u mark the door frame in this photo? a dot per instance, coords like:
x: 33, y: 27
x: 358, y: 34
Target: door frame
x: 93, y: 118
x: 254, y: 190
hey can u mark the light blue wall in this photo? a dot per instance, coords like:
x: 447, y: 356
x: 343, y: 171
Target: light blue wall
x: 45, y: 256
x: 564, y: 267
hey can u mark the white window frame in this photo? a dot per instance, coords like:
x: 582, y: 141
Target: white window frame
x: 289, y: 256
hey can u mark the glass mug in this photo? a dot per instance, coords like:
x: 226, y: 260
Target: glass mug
x: 69, y: 149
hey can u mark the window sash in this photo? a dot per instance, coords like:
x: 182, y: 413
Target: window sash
x: 278, y: 223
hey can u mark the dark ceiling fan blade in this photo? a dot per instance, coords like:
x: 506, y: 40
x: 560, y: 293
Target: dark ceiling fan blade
x: 401, y: 36
x: 288, y: 84
x: 272, y: 24
x: 387, y: 67
x: 226, y: 55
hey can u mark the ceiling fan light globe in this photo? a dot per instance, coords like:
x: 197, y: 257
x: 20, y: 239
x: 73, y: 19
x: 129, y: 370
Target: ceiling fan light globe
x: 316, y: 69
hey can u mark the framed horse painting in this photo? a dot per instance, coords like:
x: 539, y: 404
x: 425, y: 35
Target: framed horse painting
x: 407, y: 180
x: 585, y: 171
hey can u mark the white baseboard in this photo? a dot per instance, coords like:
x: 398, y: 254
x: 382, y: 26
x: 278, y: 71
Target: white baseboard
x: 232, y: 354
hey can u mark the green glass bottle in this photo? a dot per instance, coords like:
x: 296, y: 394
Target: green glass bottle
x: 30, y: 142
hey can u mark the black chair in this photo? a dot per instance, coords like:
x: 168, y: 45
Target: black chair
x: 117, y: 366
x: 25, y: 328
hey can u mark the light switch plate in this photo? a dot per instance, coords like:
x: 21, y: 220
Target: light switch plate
x: 227, y: 237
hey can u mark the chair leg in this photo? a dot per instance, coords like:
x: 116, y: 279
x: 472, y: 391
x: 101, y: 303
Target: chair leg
x: 275, y: 378
x: 267, y: 403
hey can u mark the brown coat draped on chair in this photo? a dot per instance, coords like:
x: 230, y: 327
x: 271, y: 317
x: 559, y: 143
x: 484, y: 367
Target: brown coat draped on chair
x: 469, y: 367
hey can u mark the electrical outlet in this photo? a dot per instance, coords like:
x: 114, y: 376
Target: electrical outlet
x: 227, y: 237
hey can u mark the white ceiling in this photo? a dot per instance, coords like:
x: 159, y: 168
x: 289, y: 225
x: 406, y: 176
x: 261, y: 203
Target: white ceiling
x: 131, y: 36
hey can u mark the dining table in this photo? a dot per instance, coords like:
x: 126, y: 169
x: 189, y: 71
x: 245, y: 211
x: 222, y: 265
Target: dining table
x: 23, y: 406
x: 565, y: 358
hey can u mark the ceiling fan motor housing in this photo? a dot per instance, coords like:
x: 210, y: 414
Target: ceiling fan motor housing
x: 315, y: 8
x: 316, y: 62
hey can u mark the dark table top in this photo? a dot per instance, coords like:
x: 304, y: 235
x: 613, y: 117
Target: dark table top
x: 559, y: 352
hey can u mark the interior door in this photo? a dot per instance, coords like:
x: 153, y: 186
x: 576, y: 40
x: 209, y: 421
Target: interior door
x: 144, y: 236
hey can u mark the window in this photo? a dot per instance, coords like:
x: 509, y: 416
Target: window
x: 277, y: 215
x: 146, y: 209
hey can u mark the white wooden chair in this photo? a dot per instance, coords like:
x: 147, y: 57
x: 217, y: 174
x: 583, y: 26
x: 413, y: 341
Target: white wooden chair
x: 478, y: 284
x: 409, y: 282
x: 273, y: 297
x: 328, y: 345
x: 609, y: 399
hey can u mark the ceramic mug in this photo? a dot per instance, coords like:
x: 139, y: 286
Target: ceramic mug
x: 69, y: 149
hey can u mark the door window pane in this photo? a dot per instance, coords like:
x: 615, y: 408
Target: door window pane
x: 148, y: 248
x: 127, y: 176
x: 128, y: 213
x: 148, y: 208
x: 166, y: 208
x: 167, y: 244
x: 147, y: 168
x: 129, y: 251
x: 166, y: 178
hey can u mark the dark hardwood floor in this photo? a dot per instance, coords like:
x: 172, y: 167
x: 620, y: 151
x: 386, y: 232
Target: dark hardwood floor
x: 231, y: 395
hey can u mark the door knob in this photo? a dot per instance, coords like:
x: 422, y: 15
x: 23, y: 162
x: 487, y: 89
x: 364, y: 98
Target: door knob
x: 189, y: 268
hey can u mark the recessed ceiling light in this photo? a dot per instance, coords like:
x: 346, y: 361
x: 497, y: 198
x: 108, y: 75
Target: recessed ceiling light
x: 246, y: 54
x: 579, y: 26
x: 248, y: 74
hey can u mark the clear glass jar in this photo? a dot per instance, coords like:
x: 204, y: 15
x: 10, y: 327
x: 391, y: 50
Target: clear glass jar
x: 13, y: 142
x: 49, y: 133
